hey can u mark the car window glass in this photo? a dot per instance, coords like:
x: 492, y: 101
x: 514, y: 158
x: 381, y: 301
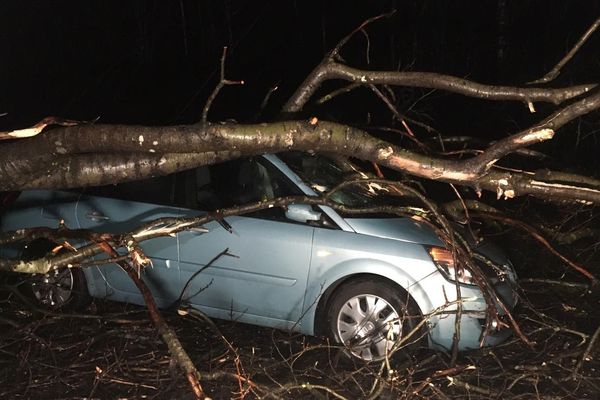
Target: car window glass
x: 158, y: 190
x: 196, y: 189
x: 209, y: 188
x: 235, y: 183
x: 323, y: 174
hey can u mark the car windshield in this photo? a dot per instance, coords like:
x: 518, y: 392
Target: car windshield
x: 323, y: 174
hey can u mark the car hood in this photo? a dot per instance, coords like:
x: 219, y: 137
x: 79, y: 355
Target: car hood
x: 403, y: 229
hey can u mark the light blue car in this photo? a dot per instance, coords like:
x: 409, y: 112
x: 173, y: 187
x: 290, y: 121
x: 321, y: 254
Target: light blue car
x: 362, y: 280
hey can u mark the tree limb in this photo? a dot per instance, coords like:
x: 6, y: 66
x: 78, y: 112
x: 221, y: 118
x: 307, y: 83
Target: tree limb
x: 554, y: 72
x: 150, y: 154
x: 222, y: 83
x: 329, y: 69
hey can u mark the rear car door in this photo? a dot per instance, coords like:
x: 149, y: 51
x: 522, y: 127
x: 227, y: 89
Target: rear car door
x: 122, y: 208
x: 261, y: 278
x: 36, y: 208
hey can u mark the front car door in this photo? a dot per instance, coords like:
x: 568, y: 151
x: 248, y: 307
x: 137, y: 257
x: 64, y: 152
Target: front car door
x: 261, y: 279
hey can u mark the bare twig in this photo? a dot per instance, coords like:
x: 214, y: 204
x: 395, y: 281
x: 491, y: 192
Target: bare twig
x: 471, y: 388
x: 338, y: 92
x: 537, y: 236
x: 182, y: 296
x: 583, y: 286
x: 267, y: 97
x: 167, y: 334
x: 222, y: 82
x: 336, y: 50
x: 554, y: 72
x: 586, y: 354
x: 398, y: 117
x: 37, y: 128
x: 329, y: 70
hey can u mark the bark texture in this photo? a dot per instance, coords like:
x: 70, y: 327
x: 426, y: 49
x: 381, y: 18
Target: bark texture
x: 100, y: 154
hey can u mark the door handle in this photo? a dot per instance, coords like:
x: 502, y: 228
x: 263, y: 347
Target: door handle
x: 96, y: 216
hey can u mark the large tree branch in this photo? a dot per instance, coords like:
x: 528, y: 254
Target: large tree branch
x: 329, y: 69
x: 87, y: 155
x: 83, y: 166
x: 544, y: 130
x: 69, y: 171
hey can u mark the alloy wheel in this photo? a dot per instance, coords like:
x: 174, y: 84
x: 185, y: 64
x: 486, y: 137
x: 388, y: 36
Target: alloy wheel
x: 54, y: 289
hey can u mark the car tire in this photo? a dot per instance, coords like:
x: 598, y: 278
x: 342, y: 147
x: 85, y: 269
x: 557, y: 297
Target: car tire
x: 61, y: 289
x: 369, y: 317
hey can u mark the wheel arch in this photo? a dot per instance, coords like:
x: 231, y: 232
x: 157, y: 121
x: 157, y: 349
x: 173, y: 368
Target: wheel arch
x: 80, y: 294
x: 364, y: 269
x: 321, y: 309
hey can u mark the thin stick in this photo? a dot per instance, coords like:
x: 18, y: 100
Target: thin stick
x: 541, y: 239
x: 222, y: 82
x: 167, y: 334
x: 586, y: 353
x: 583, y: 286
x: 360, y: 28
x: 556, y: 70
x: 400, y: 117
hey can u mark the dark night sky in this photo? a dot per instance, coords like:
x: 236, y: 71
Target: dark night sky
x: 155, y: 62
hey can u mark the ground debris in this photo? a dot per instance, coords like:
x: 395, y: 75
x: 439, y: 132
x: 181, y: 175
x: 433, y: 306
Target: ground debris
x: 115, y: 352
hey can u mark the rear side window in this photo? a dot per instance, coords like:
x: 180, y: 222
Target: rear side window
x: 208, y: 188
x: 6, y: 199
x: 158, y: 190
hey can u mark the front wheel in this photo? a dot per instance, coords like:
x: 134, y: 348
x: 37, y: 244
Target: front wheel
x: 63, y: 288
x: 370, y: 318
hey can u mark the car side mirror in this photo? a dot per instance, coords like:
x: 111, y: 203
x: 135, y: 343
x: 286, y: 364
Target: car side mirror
x: 302, y: 213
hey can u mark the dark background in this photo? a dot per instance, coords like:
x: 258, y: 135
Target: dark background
x: 156, y: 62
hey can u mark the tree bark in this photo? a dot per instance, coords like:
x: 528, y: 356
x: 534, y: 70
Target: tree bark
x: 330, y: 69
x: 100, y: 154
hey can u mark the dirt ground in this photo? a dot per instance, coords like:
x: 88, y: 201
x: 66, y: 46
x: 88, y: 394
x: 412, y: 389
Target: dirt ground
x: 112, y: 351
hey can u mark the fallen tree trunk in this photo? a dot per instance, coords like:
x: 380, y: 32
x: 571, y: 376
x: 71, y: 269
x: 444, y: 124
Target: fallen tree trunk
x: 100, y: 154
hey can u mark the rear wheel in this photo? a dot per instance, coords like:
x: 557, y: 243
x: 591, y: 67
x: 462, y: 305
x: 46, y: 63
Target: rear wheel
x: 370, y: 317
x: 63, y: 288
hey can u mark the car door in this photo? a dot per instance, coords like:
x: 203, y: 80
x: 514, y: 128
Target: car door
x: 253, y: 268
x: 122, y: 208
x: 36, y: 208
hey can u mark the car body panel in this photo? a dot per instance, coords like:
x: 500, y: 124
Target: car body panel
x: 404, y: 229
x: 36, y: 208
x: 264, y: 272
x: 341, y: 255
x: 275, y: 271
x: 103, y: 214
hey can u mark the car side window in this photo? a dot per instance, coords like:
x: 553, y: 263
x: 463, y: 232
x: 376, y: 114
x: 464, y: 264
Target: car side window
x: 157, y: 190
x: 235, y: 183
x: 208, y: 188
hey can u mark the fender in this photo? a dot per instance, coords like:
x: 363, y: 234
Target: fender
x: 322, y: 285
